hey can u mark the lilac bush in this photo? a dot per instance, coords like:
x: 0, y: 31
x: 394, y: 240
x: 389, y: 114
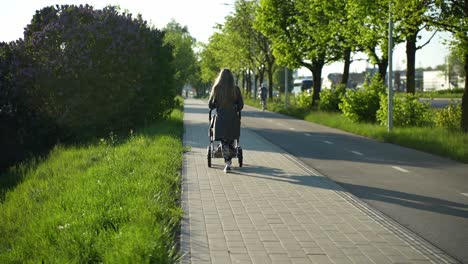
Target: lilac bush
x: 82, y: 72
x: 99, y: 69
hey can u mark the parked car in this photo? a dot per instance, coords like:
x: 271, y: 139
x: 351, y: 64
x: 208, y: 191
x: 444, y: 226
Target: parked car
x: 302, y: 85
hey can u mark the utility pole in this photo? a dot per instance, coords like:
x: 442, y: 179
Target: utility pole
x: 286, y: 99
x: 390, y: 68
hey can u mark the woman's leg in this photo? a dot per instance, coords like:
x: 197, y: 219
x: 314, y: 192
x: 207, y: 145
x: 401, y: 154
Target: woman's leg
x: 227, y: 153
x: 227, y: 149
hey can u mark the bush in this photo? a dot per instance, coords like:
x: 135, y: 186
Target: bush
x: 449, y: 117
x: 408, y: 111
x: 362, y: 105
x: 98, y: 70
x: 304, y: 99
x: 330, y: 99
x: 81, y: 73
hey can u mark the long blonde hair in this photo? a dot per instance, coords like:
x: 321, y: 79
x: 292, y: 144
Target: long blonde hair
x: 224, y: 91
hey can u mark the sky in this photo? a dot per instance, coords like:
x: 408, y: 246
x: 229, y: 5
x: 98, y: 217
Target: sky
x: 200, y: 17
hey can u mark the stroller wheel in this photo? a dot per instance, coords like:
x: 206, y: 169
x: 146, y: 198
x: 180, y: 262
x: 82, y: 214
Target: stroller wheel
x: 240, y: 156
x: 208, y: 156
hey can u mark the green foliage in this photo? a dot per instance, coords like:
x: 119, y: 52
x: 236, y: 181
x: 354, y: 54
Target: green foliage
x: 278, y: 79
x: 304, y: 99
x: 369, y: 20
x: 455, y: 61
x: 185, y: 63
x: 408, y: 111
x: 292, y: 110
x: 435, y: 140
x: 451, y: 15
x: 449, y: 117
x: 330, y: 99
x: 82, y: 72
x: 362, y: 105
x: 116, y: 201
x: 112, y: 84
x: 300, y: 30
x: 210, y: 62
x: 304, y: 33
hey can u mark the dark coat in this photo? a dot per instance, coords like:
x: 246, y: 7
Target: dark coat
x: 226, y: 124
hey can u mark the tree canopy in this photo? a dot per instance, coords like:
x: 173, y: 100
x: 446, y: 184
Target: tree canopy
x: 185, y: 62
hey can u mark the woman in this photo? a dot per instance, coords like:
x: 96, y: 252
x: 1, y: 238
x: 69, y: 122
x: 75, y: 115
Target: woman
x: 226, y: 98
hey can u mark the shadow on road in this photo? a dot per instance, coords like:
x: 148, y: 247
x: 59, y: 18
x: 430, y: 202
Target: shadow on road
x: 420, y: 202
x: 409, y: 200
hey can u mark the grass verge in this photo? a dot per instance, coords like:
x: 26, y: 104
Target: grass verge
x: 453, y: 145
x: 115, y: 201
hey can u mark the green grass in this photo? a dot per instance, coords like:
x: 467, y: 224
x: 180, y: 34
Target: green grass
x: 438, y: 141
x: 114, y: 201
x: 454, y: 93
x: 453, y: 145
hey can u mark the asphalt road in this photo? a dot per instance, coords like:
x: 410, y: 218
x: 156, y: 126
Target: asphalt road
x: 426, y: 193
x: 441, y: 102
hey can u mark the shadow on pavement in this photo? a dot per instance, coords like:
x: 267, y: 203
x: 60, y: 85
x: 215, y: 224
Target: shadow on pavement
x: 313, y: 147
x: 275, y: 174
x: 420, y: 202
x: 409, y: 200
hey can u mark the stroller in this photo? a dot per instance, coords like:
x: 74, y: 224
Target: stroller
x: 216, y: 151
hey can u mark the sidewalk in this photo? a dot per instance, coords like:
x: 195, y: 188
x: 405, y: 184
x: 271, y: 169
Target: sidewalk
x: 276, y: 210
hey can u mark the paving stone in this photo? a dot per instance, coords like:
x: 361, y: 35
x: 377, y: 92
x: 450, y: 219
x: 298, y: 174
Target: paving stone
x: 262, y: 213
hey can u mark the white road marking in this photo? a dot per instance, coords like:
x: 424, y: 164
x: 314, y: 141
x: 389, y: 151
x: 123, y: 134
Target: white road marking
x: 328, y: 142
x: 307, y: 134
x: 466, y: 194
x: 357, y: 153
x: 400, y: 169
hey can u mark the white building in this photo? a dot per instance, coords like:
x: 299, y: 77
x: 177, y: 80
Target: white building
x: 435, y: 80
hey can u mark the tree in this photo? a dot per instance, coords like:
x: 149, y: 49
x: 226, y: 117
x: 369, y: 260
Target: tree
x: 300, y: 34
x: 412, y: 19
x: 278, y: 76
x: 455, y: 63
x: 210, y: 62
x: 370, y: 21
x: 185, y: 62
x: 342, y: 31
x: 452, y: 16
x: 256, y: 51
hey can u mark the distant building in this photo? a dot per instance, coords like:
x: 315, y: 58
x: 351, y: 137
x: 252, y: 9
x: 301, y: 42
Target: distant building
x: 400, y: 80
x: 435, y: 80
x: 355, y: 80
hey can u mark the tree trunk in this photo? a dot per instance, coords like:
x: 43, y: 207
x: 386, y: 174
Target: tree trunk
x: 249, y: 83
x: 411, y: 63
x: 270, y: 82
x: 464, y: 117
x: 347, y: 63
x: 383, y: 64
x: 261, y: 76
x: 316, y: 69
x: 244, y: 77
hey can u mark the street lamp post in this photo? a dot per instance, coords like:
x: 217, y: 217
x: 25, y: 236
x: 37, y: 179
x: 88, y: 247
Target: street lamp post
x: 286, y: 87
x: 390, y: 68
